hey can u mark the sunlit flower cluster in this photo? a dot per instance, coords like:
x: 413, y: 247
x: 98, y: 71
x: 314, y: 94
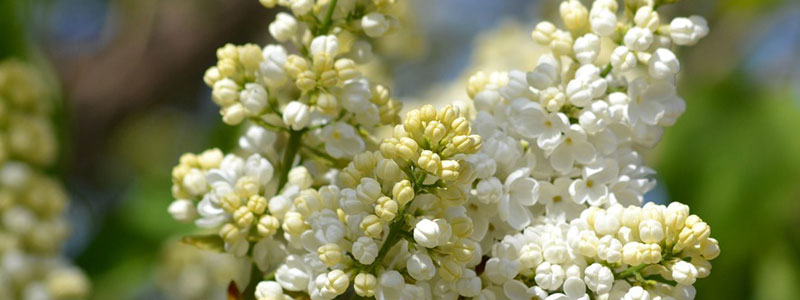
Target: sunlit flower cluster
x: 532, y: 190
x: 32, y: 204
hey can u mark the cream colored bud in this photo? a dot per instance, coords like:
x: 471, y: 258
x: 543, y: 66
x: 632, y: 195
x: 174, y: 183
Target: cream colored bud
x: 268, y: 225
x: 703, y: 267
x: 449, y: 170
x: 406, y: 148
x: 295, y: 65
x: 330, y: 254
x: 476, y: 84
x: 230, y: 202
x: 225, y: 92
x: 365, y: 284
x: 388, y: 148
x: 429, y: 161
x: 427, y: 113
x: 574, y: 14
x: 350, y: 176
x: 328, y: 103
x: 250, y: 56
x: 380, y: 94
x: 651, y: 231
x: 234, y: 114
x: 293, y: 223
x: 229, y: 232
x: 543, y: 33
x: 306, y: 81
x: 338, y: 282
x: 368, y: 191
x: 388, y: 171
x: 450, y: 269
x: 386, y: 209
x: 346, y: 69
x: 243, y: 217
x: 296, y: 115
x: 211, y: 76
x: 709, y: 249
x: 412, y: 125
x: 300, y: 177
x: 650, y: 253
x: 227, y: 68
x: 403, y: 192
x: 460, y: 126
x: 211, y: 158
x: 257, y: 204
x: 435, y: 132
x: 365, y: 162
x: 463, y: 251
x: 632, y: 253
x: 372, y: 226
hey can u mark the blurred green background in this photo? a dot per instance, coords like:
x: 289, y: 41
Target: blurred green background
x: 130, y: 73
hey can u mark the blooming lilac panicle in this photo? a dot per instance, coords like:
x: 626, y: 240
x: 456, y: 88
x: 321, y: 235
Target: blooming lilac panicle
x: 532, y: 190
x: 32, y: 204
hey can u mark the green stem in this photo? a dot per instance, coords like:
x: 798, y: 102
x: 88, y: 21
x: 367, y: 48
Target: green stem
x: 631, y: 271
x: 605, y: 71
x: 295, y: 139
x: 326, y: 24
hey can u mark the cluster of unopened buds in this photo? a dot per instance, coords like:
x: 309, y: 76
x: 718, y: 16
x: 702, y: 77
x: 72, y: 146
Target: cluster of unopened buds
x: 32, y: 204
x: 532, y: 190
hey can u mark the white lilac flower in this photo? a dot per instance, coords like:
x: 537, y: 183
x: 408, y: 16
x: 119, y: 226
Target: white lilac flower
x: 342, y: 140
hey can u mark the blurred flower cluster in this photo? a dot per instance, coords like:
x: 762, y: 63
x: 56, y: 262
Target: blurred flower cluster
x: 532, y: 190
x: 32, y: 204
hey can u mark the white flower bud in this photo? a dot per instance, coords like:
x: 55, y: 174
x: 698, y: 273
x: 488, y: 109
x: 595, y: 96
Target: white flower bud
x: 603, y: 21
x: 296, y: 115
x: 431, y: 233
x: 663, y: 64
x: 225, y: 92
x: 182, y: 210
x: 684, y: 273
x: 622, y: 59
x: 195, y: 182
x: 638, y: 39
x: 469, y: 285
x: 609, y: 249
x: 254, y: 98
x: 374, y: 24
x: 651, y: 231
x: 587, y: 48
x: 687, y: 31
x: 632, y: 254
x: 549, y: 276
x: 546, y: 74
x: 489, y: 190
x: 636, y: 293
x: 365, y: 250
x: 646, y: 17
x: 284, y: 27
x: 543, y: 33
x: 420, y: 266
x: 599, y: 278
x: 302, y: 7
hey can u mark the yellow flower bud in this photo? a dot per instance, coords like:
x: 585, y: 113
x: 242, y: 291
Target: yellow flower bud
x: 233, y: 115
x: 243, y: 217
x: 403, y: 192
x: 305, y: 81
x: 386, y: 209
x: 230, y: 202
x: 460, y: 126
x: 449, y: 170
x: 365, y: 284
x: 346, y: 69
x: 257, y: 204
x: 293, y: 223
x: 427, y: 113
x: 650, y: 253
x: 429, y: 161
x: 268, y: 225
x: 328, y: 103
x: 372, y: 226
x: 295, y: 65
x: 250, y: 56
x: 365, y: 161
x: 406, y: 148
x: 435, y: 132
x: 330, y: 254
x: 350, y: 176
